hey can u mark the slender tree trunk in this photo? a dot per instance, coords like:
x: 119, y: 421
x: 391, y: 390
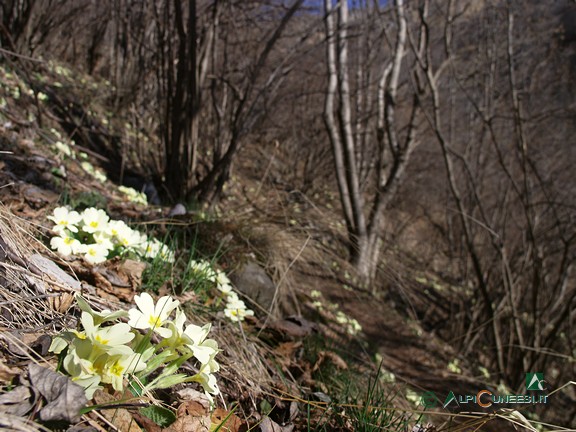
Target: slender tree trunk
x: 347, y: 137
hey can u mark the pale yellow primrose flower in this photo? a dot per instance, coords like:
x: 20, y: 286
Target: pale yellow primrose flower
x: 65, y: 244
x: 225, y: 289
x: 95, y: 220
x: 166, y: 254
x: 177, y: 340
x: 222, y: 280
x: 232, y: 297
x: 84, y: 363
x: 101, y: 355
x: 82, y: 371
x: 223, y: 283
x: 65, y: 219
x: 193, y: 338
x: 100, y: 176
x: 103, y: 239
x: 155, y: 248
x: 87, y: 166
x: 208, y: 383
x: 110, y: 340
x: 204, y: 268
x: 236, y: 310
x: 117, y: 366
x: 58, y: 344
x: 133, y: 195
x: 211, y: 365
x: 64, y: 149
x: 95, y: 253
x: 131, y: 238
x: 97, y: 174
x: 150, y: 316
x: 117, y: 229
x: 202, y: 348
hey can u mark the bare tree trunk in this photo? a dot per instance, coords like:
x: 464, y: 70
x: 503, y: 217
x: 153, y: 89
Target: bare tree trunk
x: 364, y: 220
x: 330, y: 119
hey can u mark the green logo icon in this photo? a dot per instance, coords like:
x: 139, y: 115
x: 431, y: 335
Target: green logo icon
x: 451, y: 397
x: 428, y: 400
x: 534, y: 381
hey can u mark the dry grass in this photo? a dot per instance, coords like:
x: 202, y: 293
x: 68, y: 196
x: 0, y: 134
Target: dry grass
x: 30, y: 299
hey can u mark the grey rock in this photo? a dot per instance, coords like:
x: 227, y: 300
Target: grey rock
x: 254, y: 282
x: 177, y: 210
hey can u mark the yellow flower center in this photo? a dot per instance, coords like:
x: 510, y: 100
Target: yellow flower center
x: 154, y: 321
x: 102, y: 341
x: 117, y: 369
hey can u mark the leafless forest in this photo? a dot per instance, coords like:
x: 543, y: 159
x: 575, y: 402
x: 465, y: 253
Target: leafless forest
x: 449, y: 120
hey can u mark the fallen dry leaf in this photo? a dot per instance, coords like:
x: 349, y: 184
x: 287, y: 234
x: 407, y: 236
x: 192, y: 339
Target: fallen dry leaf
x: 191, y: 408
x: 189, y: 394
x: 7, y: 373
x: 268, y: 425
x: 119, y: 278
x: 17, y: 402
x: 64, y: 398
x: 231, y: 424
x: 333, y: 357
x: 37, y: 197
x: 190, y: 424
x: 133, y: 269
x: 193, y: 413
x: 293, y: 411
x: 15, y: 423
x: 288, y: 349
x: 61, y: 302
x: 112, y: 276
x: 119, y: 417
x: 19, y: 344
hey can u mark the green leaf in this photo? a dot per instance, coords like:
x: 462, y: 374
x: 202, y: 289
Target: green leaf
x: 136, y: 387
x: 163, y: 417
x: 154, y: 363
x: 168, y: 381
x: 265, y: 407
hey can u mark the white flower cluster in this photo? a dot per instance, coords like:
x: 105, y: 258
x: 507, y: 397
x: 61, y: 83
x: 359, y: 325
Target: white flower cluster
x: 100, y: 353
x: 236, y: 309
x: 133, y: 195
x: 96, y: 237
x: 94, y: 172
x: 351, y: 325
x: 66, y: 150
